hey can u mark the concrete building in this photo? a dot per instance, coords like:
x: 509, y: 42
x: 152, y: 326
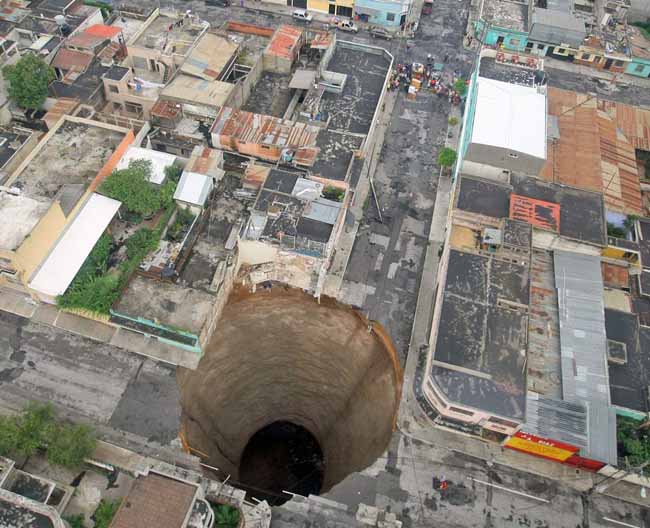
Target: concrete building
x: 505, y: 129
x: 47, y: 192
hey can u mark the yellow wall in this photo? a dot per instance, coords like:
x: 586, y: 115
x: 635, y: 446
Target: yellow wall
x: 323, y: 5
x: 39, y: 242
x: 618, y: 253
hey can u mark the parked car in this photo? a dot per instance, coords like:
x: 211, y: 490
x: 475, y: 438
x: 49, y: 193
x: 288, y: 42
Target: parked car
x: 303, y: 15
x: 347, y: 25
x: 218, y: 3
x: 380, y: 32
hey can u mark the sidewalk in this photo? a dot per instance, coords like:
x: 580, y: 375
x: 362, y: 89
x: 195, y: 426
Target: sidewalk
x: 23, y: 305
x: 586, y: 71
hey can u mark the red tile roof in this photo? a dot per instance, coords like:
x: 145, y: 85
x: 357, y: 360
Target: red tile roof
x: 104, y: 31
x: 155, y: 501
x: 67, y: 60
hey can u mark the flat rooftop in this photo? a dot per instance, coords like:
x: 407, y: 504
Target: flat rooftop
x: 13, y: 515
x: 11, y: 141
x: 490, y: 69
x: 198, y: 91
x: 629, y: 377
x: 167, y: 303
x: 506, y: 15
x: 353, y: 110
x: 74, y: 154
x: 482, y: 335
x: 157, y: 35
x: 336, y: 150
x: 581, y: 214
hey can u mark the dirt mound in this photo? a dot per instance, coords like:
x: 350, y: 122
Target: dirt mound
x: 279, y: 356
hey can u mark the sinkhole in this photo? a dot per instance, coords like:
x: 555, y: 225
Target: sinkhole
x: 291, y: 394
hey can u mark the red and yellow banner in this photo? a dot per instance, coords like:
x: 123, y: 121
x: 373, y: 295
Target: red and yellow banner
x: 541, y: 447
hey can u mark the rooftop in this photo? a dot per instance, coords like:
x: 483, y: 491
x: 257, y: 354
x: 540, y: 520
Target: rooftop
x: 22, y: 515
x: 557, y: 27
x: 74, y: 153
x: 581, y: 213
x: 336, y: 150
x: 210, y: 57
x: 270, y: 95
x: 156, y: 500
x: 596, y: 147
x: 510, y: 116
x: 166, y: 303
x: 82, y: 87
x: 506, y: 15
x: 285, y: 42
x: 169, y: 34
x: 159, y: 161
x: 11, y: 141
x: 197, y: 90
x: 353, y: 110
x: 480, y: 352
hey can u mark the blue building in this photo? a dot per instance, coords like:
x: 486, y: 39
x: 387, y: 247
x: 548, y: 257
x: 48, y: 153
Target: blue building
x: 389, y: 13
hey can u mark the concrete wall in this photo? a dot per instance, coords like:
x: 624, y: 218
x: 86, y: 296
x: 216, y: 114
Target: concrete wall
x: 638, y: 67
x: 244, y: 87
x: 639, y: 11
x: 504, y: 159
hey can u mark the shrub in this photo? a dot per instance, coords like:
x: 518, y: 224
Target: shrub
x: 35, y: 427
x: 75, y: 521
x: 71, y: 445
x: 634, y: 441
x: 447, y: 157
x: 173, y: 172
x: 460, y: 86
x: 105, y: 512
x: 453, y: 121
x: 334, y: 193
x: 225, y: 516
x: 28, y: 80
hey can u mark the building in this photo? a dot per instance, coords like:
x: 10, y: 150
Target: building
x: 48, y: 193
x: 160, y: 162
x: 389, y: 13
x: 506, y: 128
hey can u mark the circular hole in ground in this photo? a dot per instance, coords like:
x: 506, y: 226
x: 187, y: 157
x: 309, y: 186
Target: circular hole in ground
x: 280, y: 356
x: 283, y: 457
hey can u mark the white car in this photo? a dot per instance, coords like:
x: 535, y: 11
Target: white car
x: 347, y: 25
x: 303, y: 15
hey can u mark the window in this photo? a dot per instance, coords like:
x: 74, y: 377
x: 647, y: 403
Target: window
x: 513, y: 155
x: 540, y: 46
x: 560, y: 50
x: 494, y: 419
x: 133, y: 108
x: 390, y: 17
x: 113, y: 89
x: 639, y: 68
x: 586, y: 56
x: 618, y: 63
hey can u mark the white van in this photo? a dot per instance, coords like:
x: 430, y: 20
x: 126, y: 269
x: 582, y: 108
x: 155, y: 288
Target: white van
x: 303, y: 15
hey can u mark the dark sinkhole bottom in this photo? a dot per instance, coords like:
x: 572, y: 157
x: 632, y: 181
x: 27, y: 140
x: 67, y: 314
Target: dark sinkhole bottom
x: 283, y: 457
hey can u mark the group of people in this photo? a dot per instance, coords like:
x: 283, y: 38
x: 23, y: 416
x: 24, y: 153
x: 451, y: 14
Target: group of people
x: 432, y: 78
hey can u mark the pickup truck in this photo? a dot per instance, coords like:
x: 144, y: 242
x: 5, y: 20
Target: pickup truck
x: 347, y: 25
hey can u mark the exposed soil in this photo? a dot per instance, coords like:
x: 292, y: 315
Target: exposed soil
x: 279, y: 356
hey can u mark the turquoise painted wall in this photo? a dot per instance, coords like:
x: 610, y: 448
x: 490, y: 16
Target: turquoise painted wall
x: 638, y: 67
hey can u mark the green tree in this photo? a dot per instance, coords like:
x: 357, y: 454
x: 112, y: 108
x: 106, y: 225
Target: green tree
x: 131, y: 186
x: 35, y: 427
x: 225, y: 516
x: 173, y: 172
x: 447, y: 157
x: 105, y: 512
x: 71, y: 445
x: 28, y: 80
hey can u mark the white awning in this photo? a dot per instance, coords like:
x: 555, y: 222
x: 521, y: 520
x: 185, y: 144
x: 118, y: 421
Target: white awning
x: 64, y: 261
x: 193, y: 188
x: 159, y: 161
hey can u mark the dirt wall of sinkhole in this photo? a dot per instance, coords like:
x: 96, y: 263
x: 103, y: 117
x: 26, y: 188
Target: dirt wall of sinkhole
x: 279, y: 355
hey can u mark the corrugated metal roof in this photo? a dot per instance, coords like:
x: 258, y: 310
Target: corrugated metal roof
x: 209, y: 58
x: 284, y: 42
x: 557, y: 27
x: 583, y: 342
x: 557, y: 420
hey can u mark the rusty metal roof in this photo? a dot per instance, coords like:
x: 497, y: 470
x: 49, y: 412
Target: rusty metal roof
x: 67, y: 59
x: 596, y: 147
x: 284, y: 41
x: 545, y: 215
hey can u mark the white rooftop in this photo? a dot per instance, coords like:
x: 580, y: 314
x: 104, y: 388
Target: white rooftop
x: 64, y: 261
x: 193, y: 188
x: 159, y: 161
x: 510, y: 116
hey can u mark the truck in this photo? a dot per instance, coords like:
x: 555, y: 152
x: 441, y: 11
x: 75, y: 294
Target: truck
x: 427, y: 7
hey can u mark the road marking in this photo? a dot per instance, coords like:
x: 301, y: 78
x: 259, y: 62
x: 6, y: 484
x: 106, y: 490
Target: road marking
x: 511, y: 490
x: 620, y: 523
